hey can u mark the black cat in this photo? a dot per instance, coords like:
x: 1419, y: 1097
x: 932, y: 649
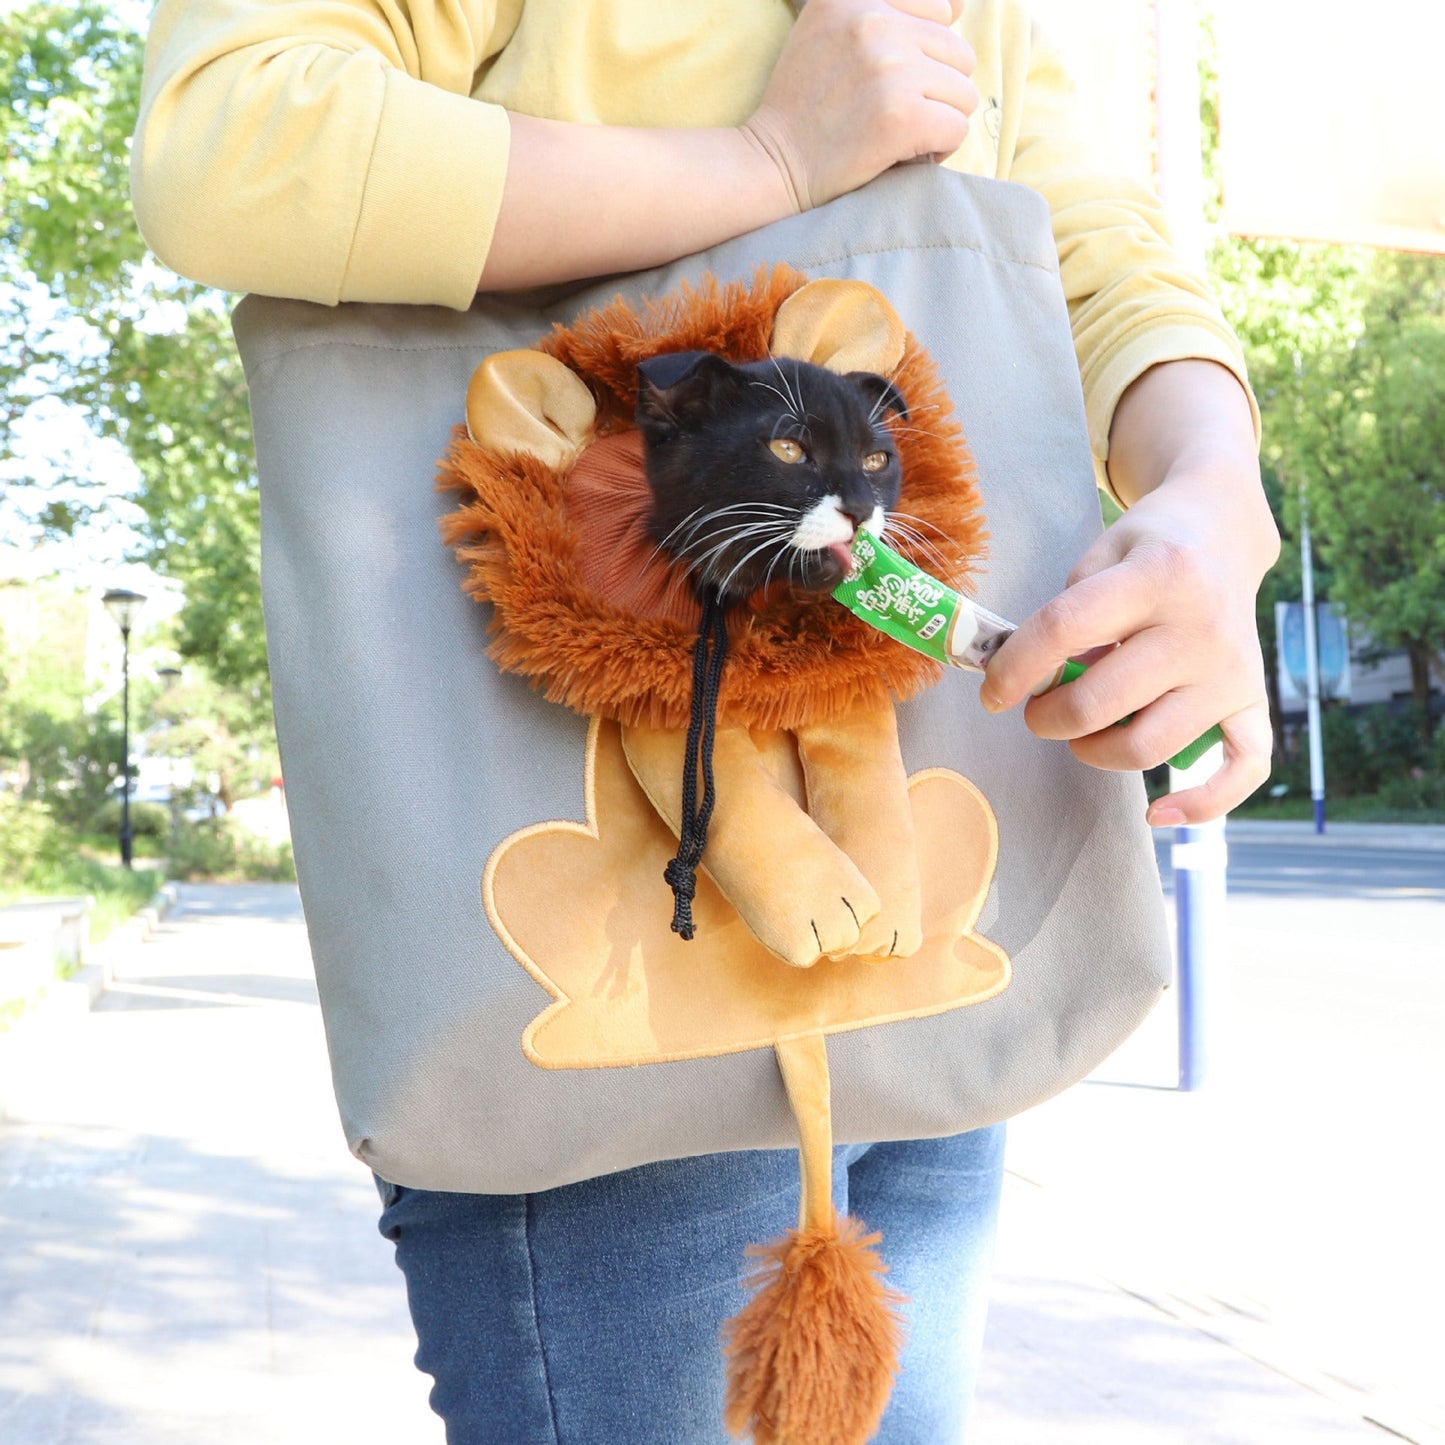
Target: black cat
x: 764, y: 472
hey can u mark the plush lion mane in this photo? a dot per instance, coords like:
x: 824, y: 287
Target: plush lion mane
x: 794, y: 658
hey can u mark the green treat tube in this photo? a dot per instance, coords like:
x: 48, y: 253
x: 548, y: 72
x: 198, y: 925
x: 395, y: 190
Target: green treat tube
x: 890, y: 593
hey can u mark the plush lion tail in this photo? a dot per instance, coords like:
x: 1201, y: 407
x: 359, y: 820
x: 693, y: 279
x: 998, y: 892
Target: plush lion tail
x: 813, y: 1355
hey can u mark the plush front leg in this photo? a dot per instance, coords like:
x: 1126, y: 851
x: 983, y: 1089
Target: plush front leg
x: 858, y: 794
x: 801, y: 895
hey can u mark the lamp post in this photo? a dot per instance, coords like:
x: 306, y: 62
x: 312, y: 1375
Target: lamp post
x: 124, y: 607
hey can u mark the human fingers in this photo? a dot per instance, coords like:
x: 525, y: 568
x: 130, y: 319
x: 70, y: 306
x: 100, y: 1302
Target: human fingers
x: 1248, y: 741
x: 859, y: 86
x: 932, y: 33
x: 942, y: 12
x: 1097, y: 611
x: 1170, y: 718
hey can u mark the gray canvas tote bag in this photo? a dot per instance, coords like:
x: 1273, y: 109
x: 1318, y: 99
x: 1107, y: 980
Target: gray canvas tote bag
x: 409, y: 756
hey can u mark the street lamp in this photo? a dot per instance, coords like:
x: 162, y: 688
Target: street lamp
x: 124, y: 607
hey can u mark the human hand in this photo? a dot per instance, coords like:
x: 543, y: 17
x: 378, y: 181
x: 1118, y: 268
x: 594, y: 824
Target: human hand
x: 1162, y: 607
x: 861, y: 85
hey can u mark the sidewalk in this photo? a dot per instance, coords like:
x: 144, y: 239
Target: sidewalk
x: 190, y: 1253
x: 191, y: 1256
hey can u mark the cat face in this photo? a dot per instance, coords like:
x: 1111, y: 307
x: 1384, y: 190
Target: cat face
x: 764, y: 472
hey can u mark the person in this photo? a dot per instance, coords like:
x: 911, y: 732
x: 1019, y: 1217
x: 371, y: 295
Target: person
x: 363, y: 150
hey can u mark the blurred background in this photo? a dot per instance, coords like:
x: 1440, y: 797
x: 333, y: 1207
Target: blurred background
x: 1255, y: 1260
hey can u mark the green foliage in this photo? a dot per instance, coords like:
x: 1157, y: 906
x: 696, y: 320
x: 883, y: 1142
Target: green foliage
x: 53, y: 749
x: 29, y: 841
x: 216, y: 848
x: 150, y: 823
x: 1414, y: 793
x: 223, y: 732
x: 90, y: 321
x: 40, y: 859
x: 1369, y: 439
x: 1366, y: 750
x: 1346, y: 350
x: 1372, y: 753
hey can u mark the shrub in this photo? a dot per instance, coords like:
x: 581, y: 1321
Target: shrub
x: 29, y: 841
x: 1352, y: 767
x: 147, y: 820
x: 1395, y: 737
x: 216, y: 848
x: 1414, y: 792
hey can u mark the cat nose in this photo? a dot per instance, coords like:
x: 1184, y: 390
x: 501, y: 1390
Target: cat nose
x: 857, y: 512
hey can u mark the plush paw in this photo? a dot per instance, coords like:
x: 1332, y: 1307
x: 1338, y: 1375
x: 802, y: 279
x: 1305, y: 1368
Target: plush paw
x: 818, y: 926
x: 895, y: 932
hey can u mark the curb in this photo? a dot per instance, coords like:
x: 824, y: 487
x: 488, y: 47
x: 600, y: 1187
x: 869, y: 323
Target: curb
x: 68, y: 998
x: 1397, y: 837
x: 78, y: 992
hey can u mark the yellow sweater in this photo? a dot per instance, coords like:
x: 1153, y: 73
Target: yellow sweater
x: 355, y: 150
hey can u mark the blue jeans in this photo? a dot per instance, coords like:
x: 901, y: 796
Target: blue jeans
x: 589, y: 1315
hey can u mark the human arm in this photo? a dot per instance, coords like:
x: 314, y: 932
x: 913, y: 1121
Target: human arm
x: 1133, y: 301
x: 1169, y: 589
x: 858, y: 86
x: 333, y: 151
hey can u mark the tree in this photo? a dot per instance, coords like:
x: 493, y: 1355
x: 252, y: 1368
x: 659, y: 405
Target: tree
x: 90, y: 320
x: 1369, y: 438
x: 219, y: 731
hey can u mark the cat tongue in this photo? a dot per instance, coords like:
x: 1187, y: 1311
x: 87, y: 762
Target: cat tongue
x: 842, y: 555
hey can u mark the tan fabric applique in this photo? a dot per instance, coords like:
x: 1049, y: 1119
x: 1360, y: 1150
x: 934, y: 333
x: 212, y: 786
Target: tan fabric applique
x: 583, y: 908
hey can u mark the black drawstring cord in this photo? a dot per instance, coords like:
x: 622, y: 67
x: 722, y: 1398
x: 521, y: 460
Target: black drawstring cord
x: 707, y: 665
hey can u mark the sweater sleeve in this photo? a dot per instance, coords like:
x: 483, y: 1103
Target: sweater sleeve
x: 1133, y: 303
x: 326, y: 150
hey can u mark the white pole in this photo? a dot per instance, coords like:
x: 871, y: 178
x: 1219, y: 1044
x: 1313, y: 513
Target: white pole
x: 1312, y: 667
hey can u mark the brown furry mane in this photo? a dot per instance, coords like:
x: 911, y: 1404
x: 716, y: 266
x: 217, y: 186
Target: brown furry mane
x: 794, y: 658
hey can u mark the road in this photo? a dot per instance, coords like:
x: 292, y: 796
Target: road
x: 1292, y: 870
x: 1293, y: 1204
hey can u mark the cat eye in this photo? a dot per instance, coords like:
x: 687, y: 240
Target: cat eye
x: 786, y: 449
x: 875, y: 461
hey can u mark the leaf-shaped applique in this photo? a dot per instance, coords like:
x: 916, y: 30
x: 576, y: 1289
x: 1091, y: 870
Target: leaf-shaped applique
x: 584, y: 909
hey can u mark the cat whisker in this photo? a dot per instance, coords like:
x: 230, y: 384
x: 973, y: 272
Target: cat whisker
x: 754, y: 509
x: 662, y: 545
x: 902, y: 529
x: 798, y: 429
x: 918, y: 542
x: 786, y: 400
x: 743, y: 562
x: 916, y: 521
x: 773, y: 532
x: 796, y: 402
x: 772, y: 566
x: 897, y: 430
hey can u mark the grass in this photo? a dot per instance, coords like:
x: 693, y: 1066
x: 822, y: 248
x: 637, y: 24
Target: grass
x: 118, y: 892
x: 1339, y: 810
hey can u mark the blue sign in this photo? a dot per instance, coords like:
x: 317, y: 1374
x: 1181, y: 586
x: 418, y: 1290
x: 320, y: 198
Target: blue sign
x: 1332, y: 643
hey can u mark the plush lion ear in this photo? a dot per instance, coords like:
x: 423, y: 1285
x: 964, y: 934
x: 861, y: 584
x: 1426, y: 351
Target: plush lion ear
x: 843, y: 325
x: 529, y: 402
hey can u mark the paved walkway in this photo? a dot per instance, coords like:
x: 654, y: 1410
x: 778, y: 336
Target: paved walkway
x: 190, y: 1255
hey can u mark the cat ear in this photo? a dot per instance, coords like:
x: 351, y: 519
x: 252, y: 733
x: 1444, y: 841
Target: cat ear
x: 842, y: 325
x: 677, y: 386
x: 882, y: 395
x: 527, y: 401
